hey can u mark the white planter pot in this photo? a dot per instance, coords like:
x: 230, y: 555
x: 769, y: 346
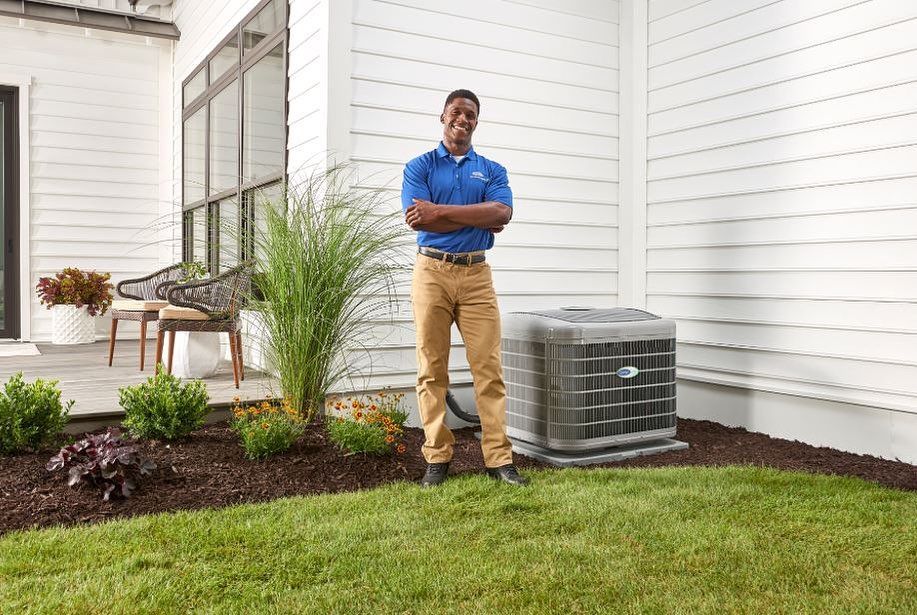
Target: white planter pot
x: 255, y: 343
x: 197, y: 354
x: 72, y: 325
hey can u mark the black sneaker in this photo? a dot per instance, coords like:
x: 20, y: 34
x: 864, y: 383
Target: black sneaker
x: 436, y: 474
x: 508, y: 474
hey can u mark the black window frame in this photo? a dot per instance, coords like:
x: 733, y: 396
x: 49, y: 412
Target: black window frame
x: 246, y: 60
x: 9, y: 240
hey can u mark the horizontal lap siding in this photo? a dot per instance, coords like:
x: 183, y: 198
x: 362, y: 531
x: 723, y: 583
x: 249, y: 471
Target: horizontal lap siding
x: 547, y: 76
x: 95, y: 166
x: 307, y: 93
x: 781, y: 193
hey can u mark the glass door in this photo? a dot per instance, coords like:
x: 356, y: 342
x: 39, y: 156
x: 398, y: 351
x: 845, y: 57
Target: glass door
x: 9, y: 261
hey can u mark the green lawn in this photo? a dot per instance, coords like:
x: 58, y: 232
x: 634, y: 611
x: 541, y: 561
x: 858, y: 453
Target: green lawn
x: 671, y: 540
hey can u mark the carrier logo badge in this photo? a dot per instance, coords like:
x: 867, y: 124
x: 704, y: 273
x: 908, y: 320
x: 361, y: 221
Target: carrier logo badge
x: 628, y: 371
x: 479, y: 175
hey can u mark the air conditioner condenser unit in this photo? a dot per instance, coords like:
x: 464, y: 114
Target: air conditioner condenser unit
x: 588, y: 385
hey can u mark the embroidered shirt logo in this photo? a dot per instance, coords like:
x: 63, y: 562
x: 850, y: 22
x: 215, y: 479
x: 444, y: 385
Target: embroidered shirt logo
x: 479, y: 175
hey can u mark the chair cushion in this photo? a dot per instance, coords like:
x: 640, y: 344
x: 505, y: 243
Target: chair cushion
x: 134, y: 305
x: 173, y: 312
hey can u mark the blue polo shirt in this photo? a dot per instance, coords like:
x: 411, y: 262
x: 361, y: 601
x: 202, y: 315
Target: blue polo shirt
x: 436, y: 177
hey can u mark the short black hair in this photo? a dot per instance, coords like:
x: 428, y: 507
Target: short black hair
x: 463, y: 94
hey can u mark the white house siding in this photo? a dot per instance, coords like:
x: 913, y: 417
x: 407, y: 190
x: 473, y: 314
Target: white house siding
x: 307, y: 86
x: 781, y: 213
x: 94, y: 121
x: 547, y: 77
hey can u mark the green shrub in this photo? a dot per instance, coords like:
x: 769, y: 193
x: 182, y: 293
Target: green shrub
x: 163, y: 408
x: 31, y: 414
x: 267, y: 428
x: 370, y: 424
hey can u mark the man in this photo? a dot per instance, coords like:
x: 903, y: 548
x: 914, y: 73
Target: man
x: 456, y: 200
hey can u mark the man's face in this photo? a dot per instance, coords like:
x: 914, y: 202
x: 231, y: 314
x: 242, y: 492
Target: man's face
x: 459, y: 119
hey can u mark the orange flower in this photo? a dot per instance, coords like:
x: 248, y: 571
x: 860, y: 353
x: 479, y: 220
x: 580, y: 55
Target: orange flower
x: 389, y: 439
x: 400, y: 449
x: 265, y: 426
x: 358, y: 415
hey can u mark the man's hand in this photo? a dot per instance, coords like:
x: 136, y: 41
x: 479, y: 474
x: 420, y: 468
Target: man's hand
x: 421, y: 213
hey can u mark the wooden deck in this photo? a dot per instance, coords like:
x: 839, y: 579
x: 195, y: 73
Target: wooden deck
x: 84, y: 376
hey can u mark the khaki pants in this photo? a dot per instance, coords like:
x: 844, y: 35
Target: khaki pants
x: 443, y: 293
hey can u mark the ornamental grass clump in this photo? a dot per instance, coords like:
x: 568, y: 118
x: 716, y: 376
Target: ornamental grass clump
x: 372, y: 424
x: 267, y: 428
x: 325, y: 271
x: 162, y: 408
x: 31, y: 414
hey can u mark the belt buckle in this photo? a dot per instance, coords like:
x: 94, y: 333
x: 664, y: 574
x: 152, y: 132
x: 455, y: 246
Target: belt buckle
x: 470, y: 256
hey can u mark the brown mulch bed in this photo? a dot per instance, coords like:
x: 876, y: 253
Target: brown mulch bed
x: 208, y: 470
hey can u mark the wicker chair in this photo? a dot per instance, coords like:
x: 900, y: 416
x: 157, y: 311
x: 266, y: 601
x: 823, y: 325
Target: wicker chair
x: 206, y: 305
x: 139, y: 302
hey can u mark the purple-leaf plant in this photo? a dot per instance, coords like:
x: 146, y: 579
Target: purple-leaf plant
x: 104, y: 460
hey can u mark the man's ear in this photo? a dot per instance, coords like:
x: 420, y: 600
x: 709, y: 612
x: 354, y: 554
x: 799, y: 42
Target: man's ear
x: 442, y: 118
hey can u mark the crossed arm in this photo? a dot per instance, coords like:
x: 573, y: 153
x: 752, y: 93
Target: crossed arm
x: 427, y: 216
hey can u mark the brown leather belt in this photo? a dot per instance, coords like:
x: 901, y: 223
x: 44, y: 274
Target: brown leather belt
x: 460, y: 258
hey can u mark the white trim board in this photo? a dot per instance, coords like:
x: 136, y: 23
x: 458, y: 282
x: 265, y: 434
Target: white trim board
x: 23, y: 82
x: 632, y: 129
x: 819, y: 422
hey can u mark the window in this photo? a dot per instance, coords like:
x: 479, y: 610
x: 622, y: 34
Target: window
x: 254, y: 206
x: 234, y: 138
x: 226, y: 58
x: 195, y: 86
x: 194, y: 156
x: 266, y: 20
x: 263, y: 112
x: 224, y: 139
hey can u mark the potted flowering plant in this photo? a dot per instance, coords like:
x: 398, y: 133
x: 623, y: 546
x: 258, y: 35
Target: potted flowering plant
x: 75, y: 297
